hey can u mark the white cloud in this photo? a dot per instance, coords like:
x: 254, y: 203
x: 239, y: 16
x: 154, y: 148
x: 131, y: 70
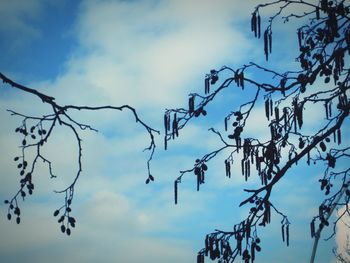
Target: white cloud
x: 148, y: 54
x: 18, y: 18
x: 13, y: 14
x: 96, y: 238
x: 343, y: 233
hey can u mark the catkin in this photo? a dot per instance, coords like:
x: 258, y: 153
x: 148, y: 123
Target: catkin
x: 266, y: 44
x: 175, y: 191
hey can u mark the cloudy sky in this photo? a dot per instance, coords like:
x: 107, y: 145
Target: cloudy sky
x: 148, y: 54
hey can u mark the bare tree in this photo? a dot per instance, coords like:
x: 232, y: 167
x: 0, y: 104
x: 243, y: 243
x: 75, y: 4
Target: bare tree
x: 323, y: 55
x: 35, y: 131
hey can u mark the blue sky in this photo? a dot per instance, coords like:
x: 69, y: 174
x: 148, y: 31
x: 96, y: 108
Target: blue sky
x: 149, y: 54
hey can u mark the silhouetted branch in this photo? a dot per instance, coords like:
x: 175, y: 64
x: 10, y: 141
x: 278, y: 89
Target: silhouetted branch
x: 36, y: 132
x: 324, y: 49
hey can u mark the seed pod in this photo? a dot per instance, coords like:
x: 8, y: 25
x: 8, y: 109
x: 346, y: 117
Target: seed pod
x: 248, y: 167
x: 339, y: 136
x: 267, y: 213
x: 242, y: 167
x: 247, y: 231
x: 264, y: 178
x: 299, y: 37
x: 175, y: 191
x: 285, y: 115
x: 165, y: 122
x: 317, y: 12
x: 270, y: 41
x: 176, y: 128
x: 267, y: 109
x: 71, y: 220
x: 295, y: 122
x: 198, y: 180
x: 60, y: 220
x: 271, y: 107
x: 246, y: 256
x: 323, y: 146
x: 312, y: 228
x: 228, y: 169
x: 283, y: 233
x: 174, y: 131
x: 300, y: 116
x: 252, y: 158
x: 259, y: 26
x: 257, y: 161
x: 287, y: 234
x: 277, y: 114
x: 252, y: 251
x: 283, y: 86
x: 17, y: 211
x: 168, y: 123
x: 246, y: 170
x: 191, y: 104
x: 241, y: 80
x: 236, y: 78
x: 253, y: 23
x: 206, y: 86
x: 225, y: 122
x: 214, y: 78
x: 266, y: 44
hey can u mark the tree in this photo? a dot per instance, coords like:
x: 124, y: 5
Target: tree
x: 36, y: 131
x: 322, y: 79
x: 324, y: 42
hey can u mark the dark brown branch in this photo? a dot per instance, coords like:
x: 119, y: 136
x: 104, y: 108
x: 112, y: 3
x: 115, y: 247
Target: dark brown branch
x: 61, y: 116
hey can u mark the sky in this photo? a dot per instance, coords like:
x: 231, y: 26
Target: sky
x: 150, y: 55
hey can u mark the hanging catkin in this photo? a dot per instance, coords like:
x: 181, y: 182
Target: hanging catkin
x: 266, y: 44
x: 175, y: 191
x: 267, y: 109
x: 259, y: 26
